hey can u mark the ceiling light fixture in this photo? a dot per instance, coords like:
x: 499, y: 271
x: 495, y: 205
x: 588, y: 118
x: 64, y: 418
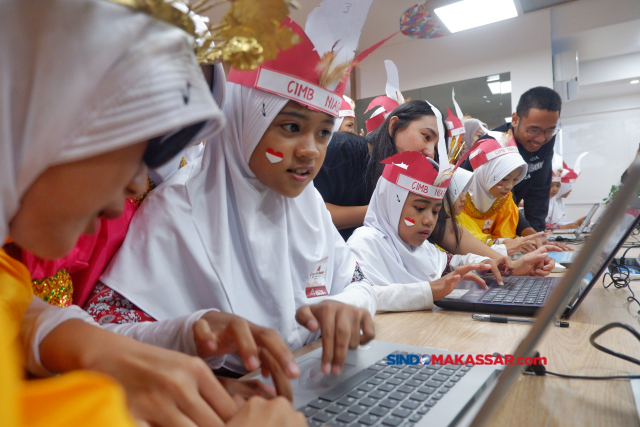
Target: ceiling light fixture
x: 634, y: 82
x: 468, y: 14
x: 497, y: 88
x: 494, y: 88
x: 495, y: 77
x: 508, y: 119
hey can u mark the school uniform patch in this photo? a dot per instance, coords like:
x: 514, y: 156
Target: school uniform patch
x: 316, y: 282
x: 486, y: 227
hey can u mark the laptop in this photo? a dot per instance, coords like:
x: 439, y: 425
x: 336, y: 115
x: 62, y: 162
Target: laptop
x: 583, y: 228
x: 524, y: 295
x: 424, y: 389
x: 566, y: 258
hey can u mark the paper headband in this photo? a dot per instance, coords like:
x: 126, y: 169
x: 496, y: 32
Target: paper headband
x: 387, y: 103
x: 488, y: 149
x: 414, y: 172
x: 314, y: 72
x: 346, y: 109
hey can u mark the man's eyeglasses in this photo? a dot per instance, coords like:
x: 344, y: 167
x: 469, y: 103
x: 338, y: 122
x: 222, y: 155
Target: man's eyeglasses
x: 533, y: 132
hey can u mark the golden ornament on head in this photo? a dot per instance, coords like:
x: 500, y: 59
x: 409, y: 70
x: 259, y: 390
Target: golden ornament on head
x: 248, y: 34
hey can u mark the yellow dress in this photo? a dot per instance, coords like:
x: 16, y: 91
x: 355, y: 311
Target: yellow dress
x: 470, y: 225
x: 500, y: 221
x: 76, y: 399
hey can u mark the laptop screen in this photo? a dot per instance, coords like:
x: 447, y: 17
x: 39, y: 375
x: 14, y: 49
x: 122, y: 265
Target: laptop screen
x: 617, y: 222
x: 629, y: 222
x: 587, y: 219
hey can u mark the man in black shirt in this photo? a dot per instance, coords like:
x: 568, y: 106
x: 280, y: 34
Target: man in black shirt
x: 534, y: 124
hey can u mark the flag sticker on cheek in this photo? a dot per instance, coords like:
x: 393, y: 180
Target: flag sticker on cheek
x: 499, y: 185
x: 274, y: 156
x: 410, y: 222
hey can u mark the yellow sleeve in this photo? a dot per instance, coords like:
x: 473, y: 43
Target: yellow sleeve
x: 506, y: 221
x: 76, y: 399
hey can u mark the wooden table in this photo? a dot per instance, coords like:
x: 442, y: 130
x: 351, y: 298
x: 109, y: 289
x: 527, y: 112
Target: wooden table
x: 541, y: 401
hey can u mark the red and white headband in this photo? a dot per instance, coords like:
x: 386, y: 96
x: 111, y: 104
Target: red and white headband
x: 387, y: 103
x: 414, y: 172
x: 488, y: 149
x: 310, y: 72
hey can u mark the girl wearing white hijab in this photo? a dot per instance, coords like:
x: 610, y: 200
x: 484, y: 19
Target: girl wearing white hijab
x: 231, y: 241
x: 561, y: 185
x: 391, y: 247
x: 87, y: 88
x: 346, y: 117
x: 245, y: 231
x: 497, y: 168
x: 458, y: 189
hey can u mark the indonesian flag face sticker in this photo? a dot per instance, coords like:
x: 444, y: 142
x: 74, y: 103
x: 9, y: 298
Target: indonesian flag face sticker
x: 274, y: 156
x: 410, y: 222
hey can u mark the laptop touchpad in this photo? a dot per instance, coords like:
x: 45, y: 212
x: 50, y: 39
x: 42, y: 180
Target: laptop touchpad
x: 312, y: 382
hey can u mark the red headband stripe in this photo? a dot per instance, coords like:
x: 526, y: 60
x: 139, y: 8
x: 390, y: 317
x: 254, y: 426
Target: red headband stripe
x: 299, y: 90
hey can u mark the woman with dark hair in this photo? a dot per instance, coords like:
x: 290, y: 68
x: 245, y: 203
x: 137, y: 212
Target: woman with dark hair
x: 352, y: 167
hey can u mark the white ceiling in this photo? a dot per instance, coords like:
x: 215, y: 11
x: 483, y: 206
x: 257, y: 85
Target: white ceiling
x: 596, y: 29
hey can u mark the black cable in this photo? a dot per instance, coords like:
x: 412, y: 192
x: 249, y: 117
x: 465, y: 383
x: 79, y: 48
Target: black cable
x: 619, y: 275
x: 540, y: 370
x: 581, y: 377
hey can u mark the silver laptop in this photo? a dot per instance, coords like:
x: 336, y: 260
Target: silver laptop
x: 565, y: 258
x: 584, y: 226
x: 386, y: 384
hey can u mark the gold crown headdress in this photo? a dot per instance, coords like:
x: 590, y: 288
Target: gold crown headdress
x: 248, y: 34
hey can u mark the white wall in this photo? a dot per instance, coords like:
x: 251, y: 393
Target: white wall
x: 609, y: 129
x: 520, y: 45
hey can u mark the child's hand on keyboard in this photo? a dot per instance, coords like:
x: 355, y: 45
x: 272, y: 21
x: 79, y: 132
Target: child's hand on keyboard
x: 341, y: 326
x: 537, y: 263
x: 443, y: 286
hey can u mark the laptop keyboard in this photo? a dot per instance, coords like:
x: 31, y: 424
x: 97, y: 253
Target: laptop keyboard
x: 384, y: 395
x: 519, y: 290
x: 561, y: 256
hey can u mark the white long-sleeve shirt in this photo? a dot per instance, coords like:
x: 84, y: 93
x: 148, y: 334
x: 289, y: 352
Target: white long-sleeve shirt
x: 42, y: 318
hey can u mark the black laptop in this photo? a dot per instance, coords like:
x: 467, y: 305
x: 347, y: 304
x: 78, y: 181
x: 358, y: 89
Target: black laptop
x: 524, y: 295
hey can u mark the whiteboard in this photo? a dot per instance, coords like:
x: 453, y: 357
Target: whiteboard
x: 612, y: 141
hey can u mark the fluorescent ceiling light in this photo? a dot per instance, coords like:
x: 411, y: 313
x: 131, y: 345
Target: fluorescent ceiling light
x: 634, y: 82
x: 493, y: 78
x: 467, y: 14
x: 494, y: 88
x: 508, y: 119
x: 499, y: 87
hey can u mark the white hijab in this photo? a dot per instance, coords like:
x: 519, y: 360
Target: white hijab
x: 382, y: 255
x: 460, y: 183
x: 489, y: 174
x: 557, y: 206
x: 81, y: 78
x: 214, y: 236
